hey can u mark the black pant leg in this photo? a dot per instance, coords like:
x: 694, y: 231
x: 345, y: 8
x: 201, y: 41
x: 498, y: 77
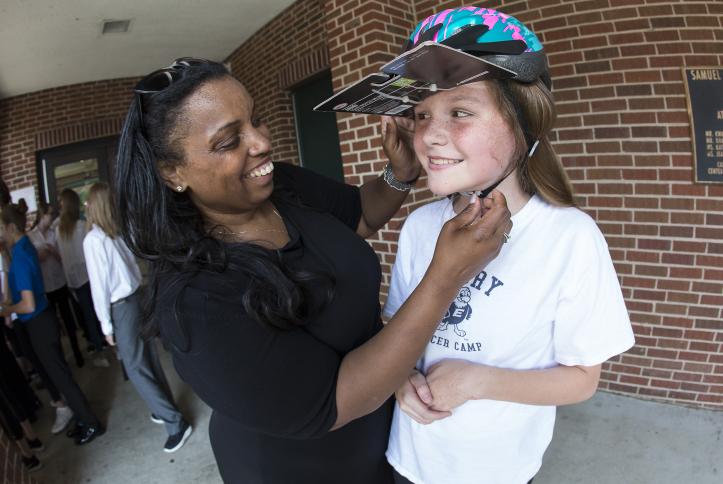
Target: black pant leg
x: 13, y: 375
x: 11, y: 389
x: 9, y: 420
x: 92, y: 325
x: 60, y: 299
x: 43, y: 331
x: 29, y: 351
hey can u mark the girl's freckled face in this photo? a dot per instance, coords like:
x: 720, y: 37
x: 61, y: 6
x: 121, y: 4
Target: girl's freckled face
x: 462, y: 139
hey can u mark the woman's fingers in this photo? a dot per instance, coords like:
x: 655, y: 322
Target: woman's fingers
x: 469, y: 215
x: 470, y: 240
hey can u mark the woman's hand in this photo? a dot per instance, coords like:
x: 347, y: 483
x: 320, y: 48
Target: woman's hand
x: 414, y: 398
x: 397, y: 141
x: 469, y: 241
x: 450, y: 383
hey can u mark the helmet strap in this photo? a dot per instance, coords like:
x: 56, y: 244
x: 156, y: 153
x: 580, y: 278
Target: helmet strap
x: 530, y: 141
x: 488, y: 190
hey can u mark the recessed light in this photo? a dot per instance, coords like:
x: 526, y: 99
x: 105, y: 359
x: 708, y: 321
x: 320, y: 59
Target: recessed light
x: 116, y: 26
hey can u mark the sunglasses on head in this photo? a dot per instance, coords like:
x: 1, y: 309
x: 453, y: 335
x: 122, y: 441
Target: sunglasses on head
x: 158, y: 80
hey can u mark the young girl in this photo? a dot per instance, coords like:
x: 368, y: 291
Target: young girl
x: 44, y: 239
x: 114, y: 280
x: 30, y: 304
x: 69, y: 235
x: 532, y: 329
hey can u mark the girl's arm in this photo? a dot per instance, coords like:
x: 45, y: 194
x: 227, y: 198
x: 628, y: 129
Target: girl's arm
x: 25, y: 306
x: 453, y: 382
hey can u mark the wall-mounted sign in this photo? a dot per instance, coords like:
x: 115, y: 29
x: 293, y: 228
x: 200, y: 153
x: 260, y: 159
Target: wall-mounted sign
x: 704, y: 89
x: 27, y: 194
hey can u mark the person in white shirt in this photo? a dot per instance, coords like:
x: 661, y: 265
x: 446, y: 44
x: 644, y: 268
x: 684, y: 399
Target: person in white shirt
x: 532, y: 329
x: 44, y: 238
x: 70, y: 233
x: 114, y: 281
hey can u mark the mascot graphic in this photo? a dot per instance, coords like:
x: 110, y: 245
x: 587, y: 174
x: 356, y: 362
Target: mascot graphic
x: 458, y: 312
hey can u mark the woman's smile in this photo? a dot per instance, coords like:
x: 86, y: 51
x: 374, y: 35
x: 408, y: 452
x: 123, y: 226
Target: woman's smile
x: 260, y: 171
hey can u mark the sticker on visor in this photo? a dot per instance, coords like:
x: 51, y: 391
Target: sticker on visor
x: 409, y: 78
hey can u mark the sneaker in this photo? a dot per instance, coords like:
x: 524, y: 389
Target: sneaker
x: 177, y: 440
x: 89, y: 433
x: 101, y: 362
x: 156, y: 420
x: 35, y: 445
x: 62, y: 417
x: 32, y: 464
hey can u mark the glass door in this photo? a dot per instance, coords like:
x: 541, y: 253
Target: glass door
x: 75, y: 166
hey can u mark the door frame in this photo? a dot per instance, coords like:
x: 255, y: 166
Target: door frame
x: 104, y: 149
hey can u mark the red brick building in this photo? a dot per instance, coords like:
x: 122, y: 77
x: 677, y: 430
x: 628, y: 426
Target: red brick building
x: 623, y: 133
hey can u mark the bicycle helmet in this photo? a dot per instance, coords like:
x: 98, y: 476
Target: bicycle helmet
x: 497, y: 38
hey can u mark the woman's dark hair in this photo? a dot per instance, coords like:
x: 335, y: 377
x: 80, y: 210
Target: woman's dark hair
x: 166, y: 228
x: 4, y: 193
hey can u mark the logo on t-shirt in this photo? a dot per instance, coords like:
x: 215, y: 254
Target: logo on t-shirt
x: 460, y: 311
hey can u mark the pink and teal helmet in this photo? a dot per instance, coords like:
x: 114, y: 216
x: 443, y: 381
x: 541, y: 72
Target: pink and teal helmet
x: 497, y: 38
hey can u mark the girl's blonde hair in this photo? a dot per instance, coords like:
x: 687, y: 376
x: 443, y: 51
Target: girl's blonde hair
x: 69, y: 213
x: 542, y: 173
x: 100, y: 209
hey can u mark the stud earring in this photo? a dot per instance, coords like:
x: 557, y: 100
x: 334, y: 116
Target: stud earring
x: 179, y: 188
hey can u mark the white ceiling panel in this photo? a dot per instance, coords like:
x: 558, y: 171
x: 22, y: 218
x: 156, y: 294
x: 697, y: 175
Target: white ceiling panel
x: 45, y: 43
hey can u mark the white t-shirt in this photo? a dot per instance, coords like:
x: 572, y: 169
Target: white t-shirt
x: 550, y: 298
x: 113, y: 273
x: 52, y: 269
x: 71, y: 253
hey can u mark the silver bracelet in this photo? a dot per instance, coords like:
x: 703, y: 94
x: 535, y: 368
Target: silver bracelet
x: 388, y: 176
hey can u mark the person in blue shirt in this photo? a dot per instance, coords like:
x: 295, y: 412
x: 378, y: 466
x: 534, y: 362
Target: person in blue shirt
x: 31, y: 306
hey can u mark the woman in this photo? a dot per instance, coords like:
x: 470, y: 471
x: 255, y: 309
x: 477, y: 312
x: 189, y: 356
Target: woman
x: 114, y: 281
x: 530, y: 331
x: 44, y: 239
x: 263, y: 288
x: 32, y: 308
x: 70, y: 233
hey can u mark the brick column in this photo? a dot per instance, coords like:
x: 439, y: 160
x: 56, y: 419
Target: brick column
x: 362, y: 36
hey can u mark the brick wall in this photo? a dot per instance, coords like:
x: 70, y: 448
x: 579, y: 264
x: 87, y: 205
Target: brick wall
x: 289, y: 49
x: 364, y: 35
x: 54, y: 117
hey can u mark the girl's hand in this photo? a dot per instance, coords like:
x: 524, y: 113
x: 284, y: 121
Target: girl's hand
x: 450, y: 383
x: 469, y: 241
x: 414, y: 398
x: 397, y: 141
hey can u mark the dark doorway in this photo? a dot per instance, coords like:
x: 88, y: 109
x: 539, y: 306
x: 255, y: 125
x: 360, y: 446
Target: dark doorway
x: 316, y: 132
x: 76, y: 166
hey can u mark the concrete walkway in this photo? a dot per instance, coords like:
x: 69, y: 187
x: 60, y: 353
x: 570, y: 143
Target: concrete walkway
x: 612, y: 439
x: 131, y: 450
x: 607, y: 440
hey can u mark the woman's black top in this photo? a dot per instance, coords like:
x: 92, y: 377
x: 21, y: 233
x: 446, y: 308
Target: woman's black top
x: 273, y: 393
